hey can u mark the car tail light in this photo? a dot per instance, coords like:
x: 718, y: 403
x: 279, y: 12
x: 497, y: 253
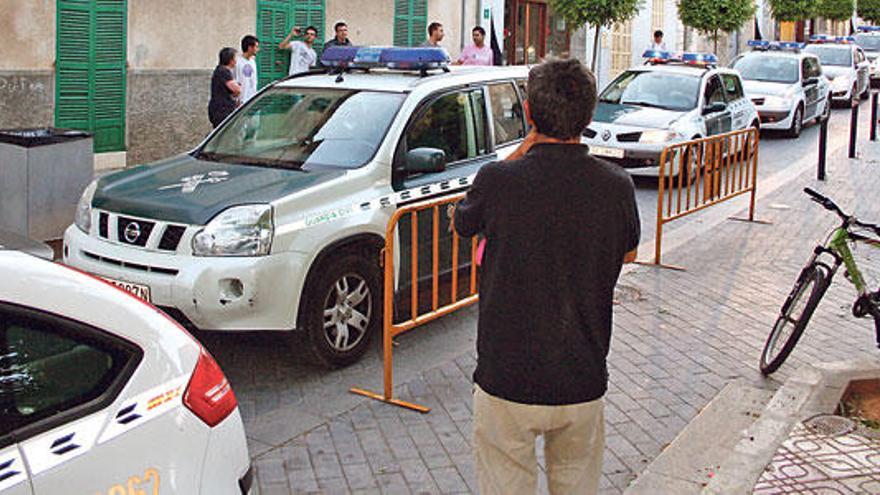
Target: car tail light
x: 208, y: 394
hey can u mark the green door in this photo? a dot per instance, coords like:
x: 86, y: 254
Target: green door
x: 90, y: 69
x: 410, y: 22
x: 275, y: 19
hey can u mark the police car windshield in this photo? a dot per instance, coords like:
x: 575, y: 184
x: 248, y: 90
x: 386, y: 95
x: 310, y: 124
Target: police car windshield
x: 832, y: 55
x: 768, y: 68
x: 666, y: 90
x: 305, y: 128
x: 869, y: 42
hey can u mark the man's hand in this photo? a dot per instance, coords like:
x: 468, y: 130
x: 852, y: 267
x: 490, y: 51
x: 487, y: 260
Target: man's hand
x: 631, y: 256
x: 530, y: 140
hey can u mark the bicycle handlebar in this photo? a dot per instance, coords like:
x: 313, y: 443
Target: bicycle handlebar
x: 828, y: 204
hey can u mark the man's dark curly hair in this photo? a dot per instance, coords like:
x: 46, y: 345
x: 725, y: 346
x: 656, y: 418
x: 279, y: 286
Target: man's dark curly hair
x: 562, y: 97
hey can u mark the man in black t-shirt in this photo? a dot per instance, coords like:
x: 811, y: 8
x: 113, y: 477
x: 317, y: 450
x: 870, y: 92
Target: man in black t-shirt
x: 224, y: 89
x: 559, y: 224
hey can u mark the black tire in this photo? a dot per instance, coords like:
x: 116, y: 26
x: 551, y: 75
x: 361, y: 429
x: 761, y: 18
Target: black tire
x: 797, y: 123
x: 807, y: 291
x: 853, y: 96
x: 866, y: 93
x: 348, y: 287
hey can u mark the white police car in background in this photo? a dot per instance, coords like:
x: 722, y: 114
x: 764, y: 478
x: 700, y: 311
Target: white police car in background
x: 101, y: 393
x: 672, y: 98
x: 276, y: 221
x: 844, y: 64
x: 786, y: 85
x: 868, y: 38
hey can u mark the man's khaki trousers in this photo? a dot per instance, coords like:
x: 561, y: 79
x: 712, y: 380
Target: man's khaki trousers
x: 504, y: 442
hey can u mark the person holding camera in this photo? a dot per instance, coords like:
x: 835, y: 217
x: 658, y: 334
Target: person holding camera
x: 302, y: 55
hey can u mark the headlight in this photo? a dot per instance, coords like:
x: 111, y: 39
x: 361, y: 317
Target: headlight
x: 777, y: 101
x: 657, y: 136
x: 83, y: 216
x: 238, y: 231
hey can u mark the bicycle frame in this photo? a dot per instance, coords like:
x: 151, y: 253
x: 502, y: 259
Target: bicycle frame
x: 838, y: 246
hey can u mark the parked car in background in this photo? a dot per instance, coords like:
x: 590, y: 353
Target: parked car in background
x: 673, y: 98
x: 868, y: 38
x: 102, y: 393
x: 785, y: 84
x: 844, y: 64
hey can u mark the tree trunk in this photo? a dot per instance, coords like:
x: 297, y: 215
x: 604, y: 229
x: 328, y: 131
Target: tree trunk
x: 715, y: 41
x: 595, y: 49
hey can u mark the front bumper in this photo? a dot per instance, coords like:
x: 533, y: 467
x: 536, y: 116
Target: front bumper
x: 214, y: 293
x: 775, y: 118
x: 635, y: 156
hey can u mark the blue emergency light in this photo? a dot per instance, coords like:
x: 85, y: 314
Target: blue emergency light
x: 869, y: 29
x: 776, y: 45
x: 657, y: 55
x: 824, y: 38
x: 369, y: 57
x: 699, y: 58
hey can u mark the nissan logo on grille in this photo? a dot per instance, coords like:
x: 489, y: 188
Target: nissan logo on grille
x: 132, y: 232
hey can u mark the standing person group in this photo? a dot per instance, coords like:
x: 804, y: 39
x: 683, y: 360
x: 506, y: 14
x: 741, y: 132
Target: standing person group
x: 234, y: 80
x: 562, y: 223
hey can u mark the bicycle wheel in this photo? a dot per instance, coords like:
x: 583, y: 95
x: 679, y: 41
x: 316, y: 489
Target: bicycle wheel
x: 794, y: 316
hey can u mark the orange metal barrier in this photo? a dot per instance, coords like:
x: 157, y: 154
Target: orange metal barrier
x: 392, y: 329
x: 703, y: 172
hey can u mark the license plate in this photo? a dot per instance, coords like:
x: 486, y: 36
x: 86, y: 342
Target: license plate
x: 137, y: 290
x: 605, y: 151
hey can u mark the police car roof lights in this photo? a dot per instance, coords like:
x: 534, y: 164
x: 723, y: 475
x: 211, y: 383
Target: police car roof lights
x: 689, y: 58
x: 824, y: 38
x: 776, y: 45
x: 369, y: 57
x: 869, y: 29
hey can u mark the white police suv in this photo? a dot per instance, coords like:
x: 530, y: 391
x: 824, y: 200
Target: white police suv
x: 868, y: 38
x: 276, y: 221
x: 101, y: 393
x: 672, y: 98
x: 786, y: 85
x: 844, y: 64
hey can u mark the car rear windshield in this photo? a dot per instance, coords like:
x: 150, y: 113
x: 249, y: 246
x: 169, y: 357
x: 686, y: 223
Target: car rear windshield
x: 832, y: 55
x: 665, y: 90
x: 768, y: 68
x: 305, y: 128
x: 868, y: 42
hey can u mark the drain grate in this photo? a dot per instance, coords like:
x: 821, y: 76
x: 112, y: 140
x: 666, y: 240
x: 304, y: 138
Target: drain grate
x: 830, y: 425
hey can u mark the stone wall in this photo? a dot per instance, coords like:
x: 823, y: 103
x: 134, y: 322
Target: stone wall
x: 167, y: 112
x: 26, y: 99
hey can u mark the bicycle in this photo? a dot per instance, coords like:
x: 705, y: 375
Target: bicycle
x: 814, y: 280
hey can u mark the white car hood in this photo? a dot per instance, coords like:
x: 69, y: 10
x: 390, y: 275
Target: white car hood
x: 753, y: 88
x: 634, y: 116
x: 834, y: 71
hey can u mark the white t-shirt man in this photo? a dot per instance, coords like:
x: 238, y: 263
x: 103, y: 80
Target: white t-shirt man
x: 301, y: 57
x: 246, y: 76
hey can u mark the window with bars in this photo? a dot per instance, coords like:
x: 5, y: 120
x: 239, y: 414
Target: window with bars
x: 657, y: 13
x: 621, y: 47
x: 90, y: 69
x: 410, y: 22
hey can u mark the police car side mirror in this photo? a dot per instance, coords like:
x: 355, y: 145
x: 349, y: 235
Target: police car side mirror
x: 425, y: 160
x: 714, y: 108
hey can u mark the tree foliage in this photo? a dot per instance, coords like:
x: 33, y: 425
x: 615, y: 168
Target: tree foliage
x: 835, y: 10
x: 712, y: 17
x: 595, y: 13
x: 869, y: 10
x: 793, y: 10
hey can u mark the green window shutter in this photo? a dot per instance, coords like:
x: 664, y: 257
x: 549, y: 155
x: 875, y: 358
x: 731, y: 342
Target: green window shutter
x: 310, y: 13
x: 272, y: 26
x: 90, y: 70
x: 275, y: 18
x: 410, y: 22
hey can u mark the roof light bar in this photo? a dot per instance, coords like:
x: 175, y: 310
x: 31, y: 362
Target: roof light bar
x: 776, y: 45
x: 824, y: 38
x: 699, y: 58
x: 869, y: 29
x: 368, y: 57
x: 659, y: 57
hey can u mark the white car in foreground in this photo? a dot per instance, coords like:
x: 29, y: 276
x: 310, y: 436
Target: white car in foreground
x: 100, y: 393
x: 786, y: 85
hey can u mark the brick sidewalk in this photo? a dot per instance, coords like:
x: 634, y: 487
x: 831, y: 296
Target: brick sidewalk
x: 678, y: 339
